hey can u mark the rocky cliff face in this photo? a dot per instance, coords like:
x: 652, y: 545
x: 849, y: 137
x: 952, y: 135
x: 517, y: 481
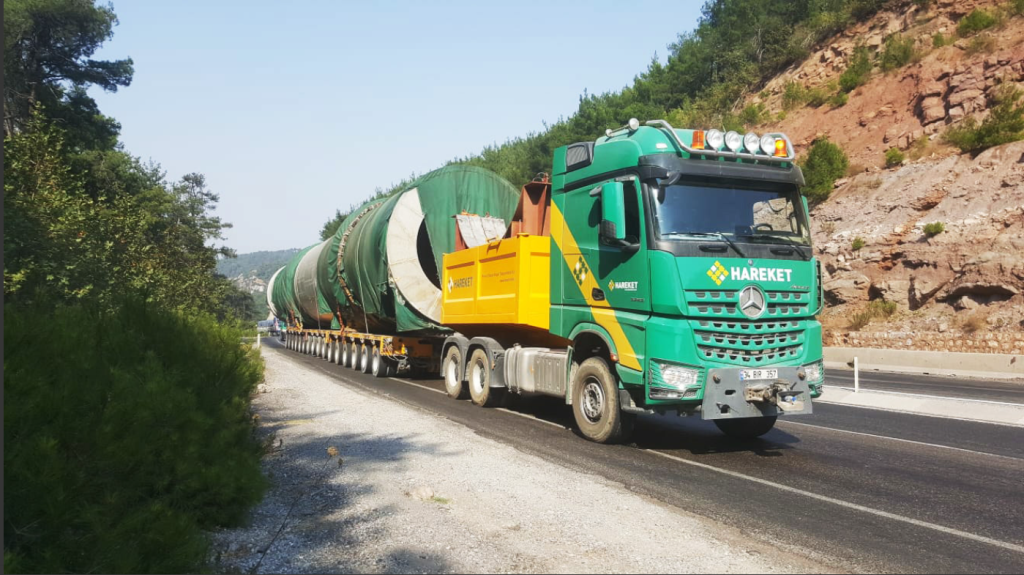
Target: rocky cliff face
x: 968, y: 278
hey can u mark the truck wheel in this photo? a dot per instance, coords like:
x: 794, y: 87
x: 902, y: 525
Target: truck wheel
x: 451, y: 369
x: 343, y: 360
x: 366, y: 359
x: 379, y: 364
x: 746, y: 427
x: 479, y: 372
x: 595, y: 403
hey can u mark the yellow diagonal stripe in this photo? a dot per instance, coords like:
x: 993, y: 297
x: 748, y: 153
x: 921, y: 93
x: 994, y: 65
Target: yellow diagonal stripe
x: 603, y: 314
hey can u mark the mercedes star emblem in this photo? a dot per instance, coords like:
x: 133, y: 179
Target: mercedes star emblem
x: 752, y: 302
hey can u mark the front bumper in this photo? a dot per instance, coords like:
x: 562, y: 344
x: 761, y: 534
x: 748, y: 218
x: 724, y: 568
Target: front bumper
x: 727, y: 397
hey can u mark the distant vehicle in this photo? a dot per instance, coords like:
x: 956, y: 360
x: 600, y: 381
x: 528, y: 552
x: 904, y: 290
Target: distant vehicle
x: 264, y: 326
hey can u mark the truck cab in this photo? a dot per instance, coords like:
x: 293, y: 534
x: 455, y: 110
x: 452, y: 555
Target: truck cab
x: 680, y: 279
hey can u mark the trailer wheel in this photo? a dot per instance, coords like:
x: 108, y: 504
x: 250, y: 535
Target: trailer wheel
x: 366, y: 359
x: 746, y: 427
x: 381, y: 366
x: 479, y: 376
x: 595, y: 403
x: 452, y: 369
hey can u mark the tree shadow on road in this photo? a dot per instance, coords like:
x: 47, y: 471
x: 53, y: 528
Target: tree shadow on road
x: 317, y: 517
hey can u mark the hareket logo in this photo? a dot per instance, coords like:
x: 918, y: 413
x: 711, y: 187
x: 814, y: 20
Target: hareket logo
x: 718, y: 273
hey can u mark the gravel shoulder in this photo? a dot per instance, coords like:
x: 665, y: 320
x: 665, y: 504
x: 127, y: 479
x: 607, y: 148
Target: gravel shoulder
x: 409, y: 491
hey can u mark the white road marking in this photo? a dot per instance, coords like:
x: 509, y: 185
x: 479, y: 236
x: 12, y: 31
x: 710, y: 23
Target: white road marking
x: 417, y: 385
x: 900, y: 440
x: 917, y: 413
x: 923, y: 396
x: 848, y: 505
x: 523, y: 415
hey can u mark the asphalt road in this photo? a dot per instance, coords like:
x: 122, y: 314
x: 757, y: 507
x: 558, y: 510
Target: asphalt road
x: 858, y: 489
x: 987, y: 390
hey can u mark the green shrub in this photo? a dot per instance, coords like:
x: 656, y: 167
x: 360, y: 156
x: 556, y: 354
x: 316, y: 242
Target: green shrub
x: 934, y: 229
x: 858, y: 243
x: 126, y: 435
x: 839, y: 100
x: 794, y: 95
x: 825, y: 163
x: 817, y: 97
x: 1004, y: 124
x: 858, y: 72
x: 782, y: 116
x: 938, y: 40
x: 876, y: 309
x: 897, y: 52
x: 1016, y: 7
x: 753, y: 115
x: 975, y: 22
x: 881, y: 308
x: 893, y: 157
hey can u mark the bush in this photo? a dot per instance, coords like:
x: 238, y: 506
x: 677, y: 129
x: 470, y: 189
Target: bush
x: 1016, y: 7
x: 753, y: 115
x: 897, y: 52
x: 893, y: 157
x: 825, y: 163
x: 975, y: 22
x: 876, y: 309
x: 793, y: 95
x: 938, y: 40
x: 1004, y: 124
x: 858, y: 243
x: 817, y: 97
x: 858, y: 72
x: 126, y: 435
x: 934, y: 229
x: 839, y: 100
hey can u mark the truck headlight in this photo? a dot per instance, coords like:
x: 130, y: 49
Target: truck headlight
x: 815, y: 372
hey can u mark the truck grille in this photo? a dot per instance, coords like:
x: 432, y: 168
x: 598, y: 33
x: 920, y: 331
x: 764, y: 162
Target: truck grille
x: 724, y: 303
x: 746, y: 342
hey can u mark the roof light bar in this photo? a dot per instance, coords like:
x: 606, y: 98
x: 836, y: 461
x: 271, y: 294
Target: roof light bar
x: 779, y: 151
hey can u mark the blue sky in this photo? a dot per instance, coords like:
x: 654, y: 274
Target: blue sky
x: 293, y: 110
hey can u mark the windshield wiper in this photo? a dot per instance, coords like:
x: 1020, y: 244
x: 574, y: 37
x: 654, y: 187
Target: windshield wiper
x: 798, y: 248
x: 718, y: 235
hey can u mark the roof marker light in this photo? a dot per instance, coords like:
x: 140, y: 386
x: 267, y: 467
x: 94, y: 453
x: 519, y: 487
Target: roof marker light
x: 733, y: 141
x: 780, y: 148
x: 698, y: 140
x: 751, y: 142
x: 715, y: 139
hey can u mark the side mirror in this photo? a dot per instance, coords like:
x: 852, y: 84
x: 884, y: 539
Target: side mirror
x: 613, y: 212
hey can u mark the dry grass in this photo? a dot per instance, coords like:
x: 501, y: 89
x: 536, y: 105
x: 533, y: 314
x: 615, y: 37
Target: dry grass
x: 975, y: 321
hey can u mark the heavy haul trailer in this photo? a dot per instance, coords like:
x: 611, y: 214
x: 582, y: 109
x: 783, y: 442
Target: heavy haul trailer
x: 369, y: 296
x: 660, y: 270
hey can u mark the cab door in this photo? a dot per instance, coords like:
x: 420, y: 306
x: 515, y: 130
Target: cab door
x: 619, y: 274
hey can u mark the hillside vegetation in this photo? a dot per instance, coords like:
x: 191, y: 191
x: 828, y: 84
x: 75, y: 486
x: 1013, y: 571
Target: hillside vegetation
x: 260, y: 265
x: 737, y: 47
x: 126, y: 414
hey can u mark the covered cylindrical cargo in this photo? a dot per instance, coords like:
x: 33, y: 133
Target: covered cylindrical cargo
x: 380, y: 270
x: 270, y: 295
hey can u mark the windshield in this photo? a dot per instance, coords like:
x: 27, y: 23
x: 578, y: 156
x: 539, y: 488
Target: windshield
x: 759, y: 214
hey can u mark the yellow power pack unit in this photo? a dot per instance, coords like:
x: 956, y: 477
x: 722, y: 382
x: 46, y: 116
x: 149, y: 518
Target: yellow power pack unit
x: 502, y: 282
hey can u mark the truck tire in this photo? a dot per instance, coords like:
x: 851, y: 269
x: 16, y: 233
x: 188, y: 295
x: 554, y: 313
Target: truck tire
x: 357, y: 350
x: 366, y: 359
x: 379, y: 364
x: 595, y: 403
x: 332, y: 351
x: 478, y: 372
x: 345, y: 354
x: 339, y: 351
x: 746, y: 427
x: 452, y: 369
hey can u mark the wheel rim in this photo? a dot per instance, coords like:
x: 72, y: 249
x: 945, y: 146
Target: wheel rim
x: 451, y: 376
x: 363, y: 358
x: 592, y: 400
x: 477, y: 378
x: 376, y: 362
